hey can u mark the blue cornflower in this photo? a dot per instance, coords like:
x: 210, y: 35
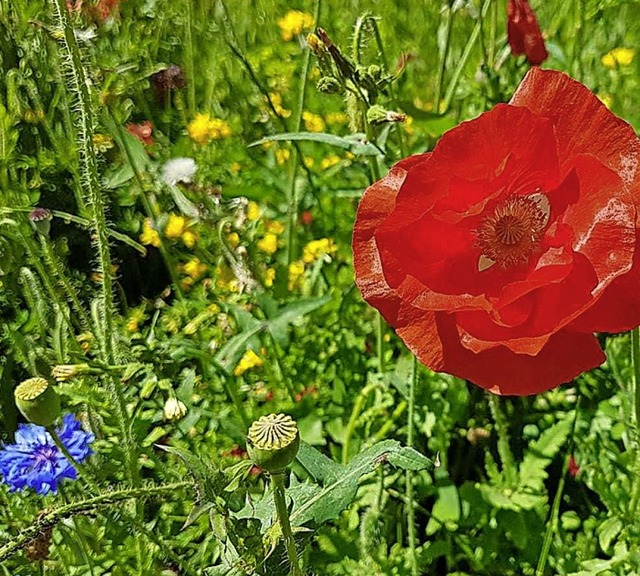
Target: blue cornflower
x: 35, y: 461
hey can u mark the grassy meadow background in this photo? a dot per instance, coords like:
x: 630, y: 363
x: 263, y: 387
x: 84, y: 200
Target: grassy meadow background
x: 234, y: 294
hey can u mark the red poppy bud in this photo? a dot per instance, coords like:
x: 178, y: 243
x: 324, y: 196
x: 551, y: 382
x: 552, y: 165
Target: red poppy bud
x: 142, y: 131
x: 306, y: 218
x: 524, y: 33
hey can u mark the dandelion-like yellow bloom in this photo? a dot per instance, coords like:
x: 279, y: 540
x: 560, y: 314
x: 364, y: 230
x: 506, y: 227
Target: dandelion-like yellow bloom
x: 269, y: 277
x: 329, y: 161
x: 313, y: 122
x: 253, y: 211
x: 189, y: 238
x: 276, y: 100
x: 233, y: 239
x: 282, y: 155
x: 149, y: 235
x: 203, y: 128
x: 194, y: 268
x: 176, y: 226
x: 296, y: 272
x: 268, y: 244
x: 293, y: 23
x: 317, y: 249
x: 618, y: 57
x: 249, y: 360
x: 275, y: 227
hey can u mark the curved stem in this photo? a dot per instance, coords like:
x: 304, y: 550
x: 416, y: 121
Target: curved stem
x: 277, y: 481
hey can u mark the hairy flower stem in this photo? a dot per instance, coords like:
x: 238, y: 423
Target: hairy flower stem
x: 506, y: 456
x: 635, y: 357
x: 552, y: 524
x: 353, y: 419
x: 411, y: 521
x: 277, y: 482
x: 83, y: 506
x: 80, y: 470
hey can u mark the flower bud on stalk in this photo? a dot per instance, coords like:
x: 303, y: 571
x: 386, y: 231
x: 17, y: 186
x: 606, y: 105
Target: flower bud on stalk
x: 37, y: 401
x: 40, y: 219
x: 273, y: 442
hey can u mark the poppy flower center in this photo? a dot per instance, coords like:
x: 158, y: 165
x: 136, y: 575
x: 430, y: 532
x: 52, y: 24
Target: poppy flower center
x: 512, y: 233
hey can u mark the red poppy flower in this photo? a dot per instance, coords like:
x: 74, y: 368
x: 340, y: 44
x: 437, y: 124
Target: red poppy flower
x: 524, y: 33
x: 498, y: 255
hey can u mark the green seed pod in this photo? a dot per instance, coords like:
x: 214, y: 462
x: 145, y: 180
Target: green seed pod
x: 273, y: 442
x: 37, y: 401
x: 40, y: 219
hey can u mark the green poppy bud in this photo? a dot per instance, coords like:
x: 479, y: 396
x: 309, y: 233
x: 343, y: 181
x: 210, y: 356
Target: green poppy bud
x: 273, y: 442
x: 40, y: 219
x: 37, y: 401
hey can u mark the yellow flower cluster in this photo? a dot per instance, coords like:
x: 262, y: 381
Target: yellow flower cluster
x: 317, y: 249
x: 329, y: 161
x: 253, y: 211
x: 268, y: 243
x: 178, y: 227
x: 313, y: 122
x: 149, y: 235
x: 618, y: 57
x: 203, y: 128
x: 226, y: 279
x: 249, y: 360
x: 296, y: 272
x: 194, y: 269
x: 293, y: 23
x: 136, y: 316
x: 276, y: 100
x: 269, y: 277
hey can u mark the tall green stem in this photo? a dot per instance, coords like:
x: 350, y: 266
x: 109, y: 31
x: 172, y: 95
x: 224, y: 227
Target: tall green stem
x: 411, y: 521
x: 277, y: 481
x: 78, y: 87
x: 445, y: 54
x: 502, y: 430
x: 635, y: 357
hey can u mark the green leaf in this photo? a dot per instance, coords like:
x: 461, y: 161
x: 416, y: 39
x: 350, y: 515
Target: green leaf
x: 337, y: 485
x: 354, y: 143
x: 608, y: 531
x: 408, y: 458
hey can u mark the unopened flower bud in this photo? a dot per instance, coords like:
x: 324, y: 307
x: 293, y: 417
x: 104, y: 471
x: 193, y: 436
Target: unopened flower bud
x: 378, y: 115
x: 273, y: 442
x: 174, y: 409
x: 37, y: 401
x: 40, y: 219
x: 314, y: 43
x: 328, y: 85
x: 65, y: 372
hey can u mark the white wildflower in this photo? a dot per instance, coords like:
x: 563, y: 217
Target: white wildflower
x: 178, y: 170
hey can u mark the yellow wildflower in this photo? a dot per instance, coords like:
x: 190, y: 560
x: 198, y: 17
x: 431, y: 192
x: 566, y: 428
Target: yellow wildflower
x: 296, y: 271
x: 618, y: 57
x: 204, y: 128
x: 189, y: 238
x: 317, y: 249
x: 194, y: 268
x: 329, y: 161
x: 233, y: 238
x: 269, y: 277
x: 253, y: 211
x: 235, y: 167
x: 102, y: 142
x: 226, y: 279
x: 276, y: 100
x: 408, y: 125
x: 133, y: 322
x: 313, y: 122
x: 275, y: 227
x: 293, y: 23
x: 309, y: 161
x: 282, y: 155
x: 268, y: 244
x: 149, y: 235
x: 176, y: 226
x: 249, y: 360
